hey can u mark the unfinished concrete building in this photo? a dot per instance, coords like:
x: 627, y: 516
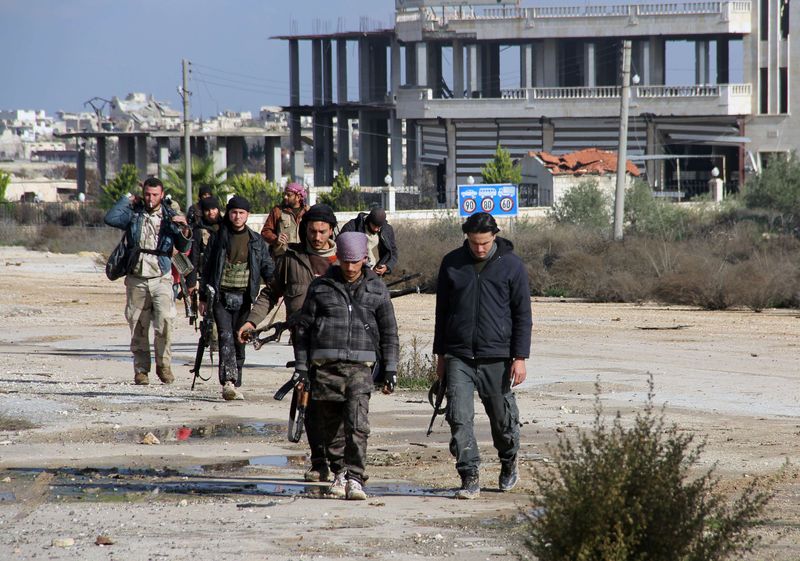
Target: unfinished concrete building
x: 436, y: 95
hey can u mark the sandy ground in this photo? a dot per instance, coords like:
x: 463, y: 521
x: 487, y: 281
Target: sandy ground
x: 231, y: 487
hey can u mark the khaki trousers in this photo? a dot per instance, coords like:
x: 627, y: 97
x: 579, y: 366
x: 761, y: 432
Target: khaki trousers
x: 150, y: 300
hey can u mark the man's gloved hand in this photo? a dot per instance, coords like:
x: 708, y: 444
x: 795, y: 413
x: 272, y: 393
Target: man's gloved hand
x: 390, y: 383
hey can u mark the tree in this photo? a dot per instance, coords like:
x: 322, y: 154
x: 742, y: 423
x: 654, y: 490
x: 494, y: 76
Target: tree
x: 262, y: 194
x: 501, y: 169
x: 342, y: 196
x: 202, y: 174
x: 126, y: 181
x: 777, y: 188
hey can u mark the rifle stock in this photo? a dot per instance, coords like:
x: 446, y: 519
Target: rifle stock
x: 439, y: 388
x: 206, y: 334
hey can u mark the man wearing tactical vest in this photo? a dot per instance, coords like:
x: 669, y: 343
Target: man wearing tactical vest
x: 282, y: 225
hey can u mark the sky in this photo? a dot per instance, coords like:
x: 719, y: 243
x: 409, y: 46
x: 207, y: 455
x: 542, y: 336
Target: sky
x: 61, y: 53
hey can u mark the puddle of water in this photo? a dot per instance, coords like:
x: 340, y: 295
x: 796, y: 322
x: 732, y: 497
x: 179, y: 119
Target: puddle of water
x: 219, y: 430
x: 278, y: 461
x: 7, y: 497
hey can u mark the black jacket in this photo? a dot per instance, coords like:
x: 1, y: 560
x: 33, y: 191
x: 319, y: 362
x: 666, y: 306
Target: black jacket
x: 387, y: 249
x: 486, y: 315
x: 258, y: 261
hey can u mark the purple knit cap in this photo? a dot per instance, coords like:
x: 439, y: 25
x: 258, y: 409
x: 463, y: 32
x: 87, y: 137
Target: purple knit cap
x: 297, y: 189
x: 351, y: 246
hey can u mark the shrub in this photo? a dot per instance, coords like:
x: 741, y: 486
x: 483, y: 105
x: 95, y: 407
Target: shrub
x: 416, y: 370
x: 342, y: 196
x: 777, y: 188
x: 126, y: 181
x: 5, y: 179
x: 262, y: 194
x: 619, y: 494
x: 501, y: 169
x: 583, y: 205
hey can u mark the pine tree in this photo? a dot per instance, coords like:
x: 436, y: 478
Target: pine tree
x: 501, y: 169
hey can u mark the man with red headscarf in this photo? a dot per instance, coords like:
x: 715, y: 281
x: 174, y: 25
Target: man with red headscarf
x: 282, y: 225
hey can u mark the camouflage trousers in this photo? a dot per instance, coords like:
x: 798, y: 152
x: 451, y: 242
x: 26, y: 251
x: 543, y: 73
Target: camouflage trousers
x: 340, y: 391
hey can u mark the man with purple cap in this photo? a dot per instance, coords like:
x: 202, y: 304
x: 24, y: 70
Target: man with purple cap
x: 282, y: 225
x: 347, y: 325
x: 381, y: 248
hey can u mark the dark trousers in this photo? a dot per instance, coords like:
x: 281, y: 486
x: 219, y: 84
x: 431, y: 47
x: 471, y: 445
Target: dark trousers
x: 316, y: 437
x: 230, y: 313
x: 341, y: 392
x: 490, y: 378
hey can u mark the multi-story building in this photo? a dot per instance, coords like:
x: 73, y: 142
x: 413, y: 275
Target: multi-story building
x: 436, y: 95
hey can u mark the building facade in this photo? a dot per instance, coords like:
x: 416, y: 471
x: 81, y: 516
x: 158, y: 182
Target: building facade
x: 434, y: 99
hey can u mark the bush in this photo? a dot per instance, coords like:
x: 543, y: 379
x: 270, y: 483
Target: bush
x: 620, y: 494
x: 342, y: 196
x: 416, y: 370
x: 777, y: 188
x: 262, y: 194
x: 5, y: 179
x: 202, y: 174
x: 583, y: 205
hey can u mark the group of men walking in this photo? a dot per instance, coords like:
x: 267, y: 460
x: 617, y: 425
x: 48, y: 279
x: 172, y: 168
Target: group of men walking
x: 344, y: 330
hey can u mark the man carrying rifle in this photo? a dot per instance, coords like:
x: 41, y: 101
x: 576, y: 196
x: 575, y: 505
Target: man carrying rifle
x: 347, y: 324
x: 482, y: 338
x: 235, y: 266
x: 295, y: 268
x: 206, y: 226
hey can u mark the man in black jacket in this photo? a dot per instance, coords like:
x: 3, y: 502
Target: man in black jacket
x: 381, y: 247
x: 235, y: 266
x: 347, y: 324
x: 482, y: 338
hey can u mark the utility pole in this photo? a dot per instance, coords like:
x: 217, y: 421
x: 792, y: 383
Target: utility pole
x: 622, y: 153
x: 187, y: 141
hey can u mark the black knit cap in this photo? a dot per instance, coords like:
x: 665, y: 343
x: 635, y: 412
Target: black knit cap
x: 208, y: 203
x: 204, y: 190
x: 320, y: 213
x: 238, y: 202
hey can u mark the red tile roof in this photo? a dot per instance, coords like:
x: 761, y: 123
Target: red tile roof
x: 590, y: 161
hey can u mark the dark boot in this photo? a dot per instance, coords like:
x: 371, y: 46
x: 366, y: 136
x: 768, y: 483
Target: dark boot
x: 470, y: 487
x: 509, y: 475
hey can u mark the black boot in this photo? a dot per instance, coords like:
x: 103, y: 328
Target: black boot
x: 470, y: 486
x: 509, y: 475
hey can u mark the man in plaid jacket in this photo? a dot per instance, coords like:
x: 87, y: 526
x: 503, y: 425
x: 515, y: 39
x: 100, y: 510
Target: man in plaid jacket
x: 347, y: 325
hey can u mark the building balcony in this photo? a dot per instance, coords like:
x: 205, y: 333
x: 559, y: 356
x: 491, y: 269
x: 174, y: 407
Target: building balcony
x: 614, y: 20
x: 599, y: 101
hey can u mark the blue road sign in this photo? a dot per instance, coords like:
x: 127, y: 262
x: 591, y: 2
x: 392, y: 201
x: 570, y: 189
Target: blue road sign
x: 497, y: 200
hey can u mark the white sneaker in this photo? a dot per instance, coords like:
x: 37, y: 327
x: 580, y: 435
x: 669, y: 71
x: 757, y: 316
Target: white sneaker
x: 230, y: 393
x: 354, y: 491
x: 337, y: 488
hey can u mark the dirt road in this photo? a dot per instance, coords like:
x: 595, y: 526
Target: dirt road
x: 224, y: 483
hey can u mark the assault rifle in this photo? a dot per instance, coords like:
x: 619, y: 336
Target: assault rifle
x: 297, y: 410
x: 183, y: 267
x: 435, y: 398
x: 404, y: 278
x: 206, y: 337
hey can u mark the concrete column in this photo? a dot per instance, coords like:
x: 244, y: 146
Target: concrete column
x: 81, y: 179
x: 411, y: 64
x: 548, y: 136
x: 220, y: 156
x: 364, y: 77
x: 102, y: 171
x: 390, y: 197
x: 458, y: 69
x: 141, y: 155
x: 327, y: 71
x: 589, y: 69
x: 723, y: 61
x: 435, y: 69
x: 162, y: 144
x: 450, y: 164
x: 549, y: 60
x: 644, y: 62
x: 343, y: 148
x: 295, y: 142
x: 272, y: 155
x: 411, y: 152
x: 126, y: 150
x: 422, y: 64
x: 319, y: 149
x: 235, y: 146
x: 341, y: 71
x: 396, y: 132
x: 395, y: 68
x: 316, y: 71
x: 526, y: 66
x: 490, y: 70
x: 652, y: 150
x: 473, y: 71
x: 656, y: 66
x: 372, y: 147
x: 702, y: 74
x: 199, y: 146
